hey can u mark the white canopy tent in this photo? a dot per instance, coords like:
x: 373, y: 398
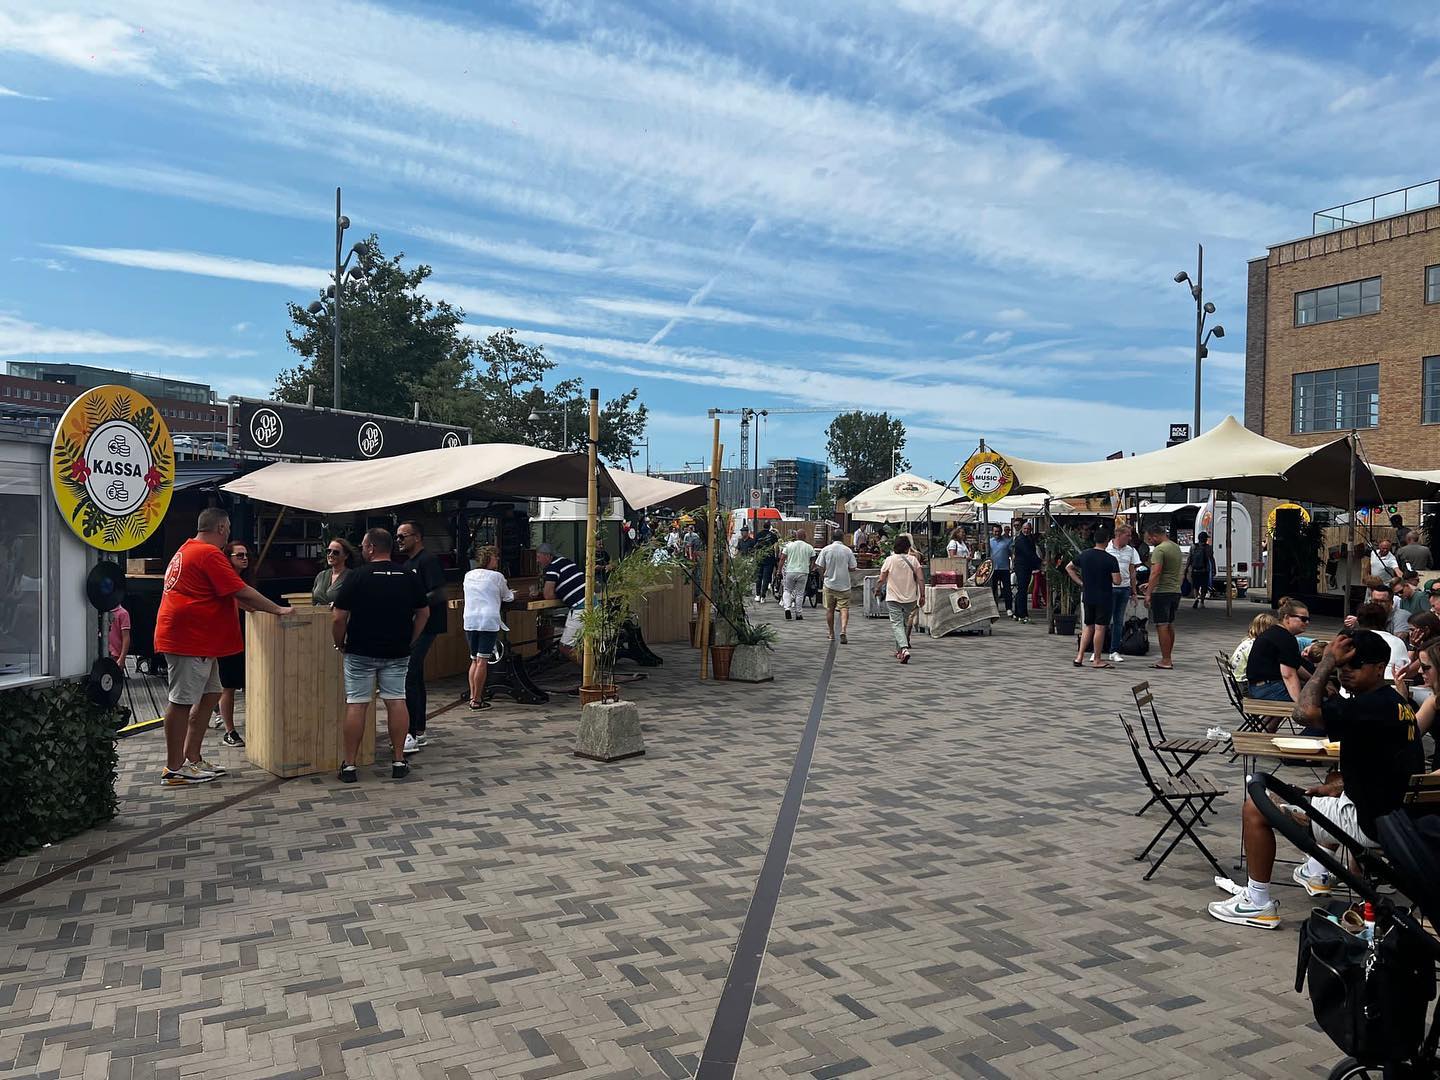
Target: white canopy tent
x: 495, y: 469
x: 906, y: 497
x: 1014, y: 506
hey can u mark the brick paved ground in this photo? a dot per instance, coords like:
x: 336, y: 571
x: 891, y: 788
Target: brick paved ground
x: 960, y: 897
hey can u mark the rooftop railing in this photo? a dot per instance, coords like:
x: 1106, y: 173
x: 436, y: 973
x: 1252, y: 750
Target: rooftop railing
x: 1400, y: 201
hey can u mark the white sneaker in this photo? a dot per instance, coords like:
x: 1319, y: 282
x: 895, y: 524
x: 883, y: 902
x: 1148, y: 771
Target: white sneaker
x: 1240, y: 911
x: 1319, y: 885
x: 186, y: 774
x: 210, y: 767
x: 412, y: 745
x: 1116, y: 658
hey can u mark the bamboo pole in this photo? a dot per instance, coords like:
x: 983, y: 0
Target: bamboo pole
x: 708, y: 576
x: 1349, y: 586
x: 592, y: 514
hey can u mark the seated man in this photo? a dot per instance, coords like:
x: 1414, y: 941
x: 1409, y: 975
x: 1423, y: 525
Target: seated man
x: 1379, y: 753
x: 1396, y: 618
x: 1274, y: 668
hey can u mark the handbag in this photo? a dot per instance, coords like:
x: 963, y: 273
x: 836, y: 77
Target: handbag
x: 1370, y: 997
x: 1134, y: 638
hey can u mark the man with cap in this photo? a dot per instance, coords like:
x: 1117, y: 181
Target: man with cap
x: 564, y: 581
x: 1379, y: 752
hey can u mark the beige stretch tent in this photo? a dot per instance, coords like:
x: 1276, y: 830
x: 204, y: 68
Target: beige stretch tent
x: 906, y: 497
x: 1231, y: 457
x: 484, y: 469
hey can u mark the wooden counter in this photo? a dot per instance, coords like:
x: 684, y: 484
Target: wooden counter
x: 295, y: 695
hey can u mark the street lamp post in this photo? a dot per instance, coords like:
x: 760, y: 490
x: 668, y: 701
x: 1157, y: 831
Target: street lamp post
x: 336, y: 291
x: 1203, y: 308
x: 536, y: 414
x: 646, y: 443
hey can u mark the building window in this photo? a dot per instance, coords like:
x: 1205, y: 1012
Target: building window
x: 1432, y: 285
x: 1337, y: 302
x: 1336, y: 400
x: 1430, y: 390
x: 22, y: 582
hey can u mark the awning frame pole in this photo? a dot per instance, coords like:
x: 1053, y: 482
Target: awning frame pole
x: 265, y: 550
x: 592, y: 528
x: 1229, y: 553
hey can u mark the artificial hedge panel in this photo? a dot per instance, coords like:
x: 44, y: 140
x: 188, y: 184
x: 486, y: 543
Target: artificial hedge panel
x: 58, y: 776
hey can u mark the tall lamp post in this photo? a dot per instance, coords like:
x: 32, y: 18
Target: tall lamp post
x: 536, y: 414
x: 336, y: 291
x: 1202, y: 308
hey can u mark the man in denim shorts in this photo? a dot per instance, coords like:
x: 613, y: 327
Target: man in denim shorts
x: 379, y: 611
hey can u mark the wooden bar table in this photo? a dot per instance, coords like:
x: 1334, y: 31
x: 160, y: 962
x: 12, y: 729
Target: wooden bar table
x: 295, y: 695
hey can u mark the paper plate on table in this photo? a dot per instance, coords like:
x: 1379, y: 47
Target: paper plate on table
x: 1300, y: 746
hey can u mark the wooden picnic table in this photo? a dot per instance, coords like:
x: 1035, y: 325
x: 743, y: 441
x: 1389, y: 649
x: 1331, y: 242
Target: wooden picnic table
x: 1261, y: 744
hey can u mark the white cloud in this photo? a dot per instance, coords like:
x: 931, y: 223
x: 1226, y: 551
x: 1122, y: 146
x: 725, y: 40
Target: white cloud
x: 100, y: 44
x: 21, y: 338
x: 46, y: 264
x: 5, y: 92
x: 998, y: 337
x: 240, y: 328
x: 194, y: 262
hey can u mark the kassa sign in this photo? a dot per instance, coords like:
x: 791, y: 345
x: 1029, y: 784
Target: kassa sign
x: 986, y: 477
x: 112, y: 466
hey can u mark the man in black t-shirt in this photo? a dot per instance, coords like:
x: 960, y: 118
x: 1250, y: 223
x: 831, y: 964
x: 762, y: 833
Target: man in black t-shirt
x: 379, y: 612
x: 1097, y: 572
x: 1379, y: 753
x: 1274, y: 667
x: 766, y: 547
x: 425, y: 565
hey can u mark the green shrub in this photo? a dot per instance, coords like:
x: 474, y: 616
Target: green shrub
x: 59, y: 775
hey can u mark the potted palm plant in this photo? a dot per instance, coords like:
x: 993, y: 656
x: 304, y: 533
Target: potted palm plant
x: 1060, y: 545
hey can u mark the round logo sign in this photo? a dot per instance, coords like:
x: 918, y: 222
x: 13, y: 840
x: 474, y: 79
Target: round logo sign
x: 113, y: 467
x: 370, y: 440
x: 450, y: 441
x: 266, y: 428
x: 1270, y: 518
x: 986, y: 477
x: 909, y: 487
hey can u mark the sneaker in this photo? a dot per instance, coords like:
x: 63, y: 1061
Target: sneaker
x: 799, y: 617
x: 210, y: 767
x: 844, y: 640
x: 1240, y: 911
x: 216, y: 720
x: 399, y: 770
x: 1319, y: 885
x: 348, y: 774
x: 232, y: 738
x: 788, y: 615
x: 759, y: 599
x: 186, y: 774
x: 1116, y: 658
x: 413, y: 745
x: 904, y: 656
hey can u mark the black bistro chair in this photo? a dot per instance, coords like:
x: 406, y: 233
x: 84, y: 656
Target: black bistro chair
x: 1185, y: 799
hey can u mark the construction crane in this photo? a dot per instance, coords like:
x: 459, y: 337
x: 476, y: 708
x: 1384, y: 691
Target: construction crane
x: 746, y: 416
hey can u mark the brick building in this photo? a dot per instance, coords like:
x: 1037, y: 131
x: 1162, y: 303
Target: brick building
x: 1344, y: 332
x: 43, y: 391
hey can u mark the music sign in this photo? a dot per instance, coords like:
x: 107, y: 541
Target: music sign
x: 986, y: 477
x: 279, y: 428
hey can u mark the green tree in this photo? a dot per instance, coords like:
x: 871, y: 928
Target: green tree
x: 398, y: 347
x: 395, y: 342
x: 866, y: 447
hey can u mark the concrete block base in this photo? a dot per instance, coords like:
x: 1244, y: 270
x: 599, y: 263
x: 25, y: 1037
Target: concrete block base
x: 751, y: 663
x: 609, y: 731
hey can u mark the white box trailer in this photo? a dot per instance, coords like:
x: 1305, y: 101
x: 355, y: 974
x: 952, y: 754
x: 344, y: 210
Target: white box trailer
x: 1185, y: 520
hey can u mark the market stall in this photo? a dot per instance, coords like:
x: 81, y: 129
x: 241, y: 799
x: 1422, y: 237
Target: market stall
x: 493, y: 471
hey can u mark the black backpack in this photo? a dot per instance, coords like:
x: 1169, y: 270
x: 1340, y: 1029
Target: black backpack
x: 1134, y: 640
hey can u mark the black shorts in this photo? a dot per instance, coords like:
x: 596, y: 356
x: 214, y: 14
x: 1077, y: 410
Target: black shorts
x: 232, y: 671
x: 1099, y: 614
x: 481, y: 643
x: 1163, y: 607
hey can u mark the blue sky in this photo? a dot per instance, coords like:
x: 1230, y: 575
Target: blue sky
x: 967, y: 213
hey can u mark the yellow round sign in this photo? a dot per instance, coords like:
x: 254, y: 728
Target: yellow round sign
x: 112, y: 466
x: 986, y: 477
x: 1270, y: 518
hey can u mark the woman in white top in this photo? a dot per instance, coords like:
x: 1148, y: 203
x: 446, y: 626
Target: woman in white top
x: 957, y: 548
x: 902, y: 579
x: 485, y: 590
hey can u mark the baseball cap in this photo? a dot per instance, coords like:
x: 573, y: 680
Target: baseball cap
x: 1370, y: 647
x: 545, y: 549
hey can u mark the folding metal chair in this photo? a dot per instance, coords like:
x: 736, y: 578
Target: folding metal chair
x: 1184, y: 752
x: 1184, y: 798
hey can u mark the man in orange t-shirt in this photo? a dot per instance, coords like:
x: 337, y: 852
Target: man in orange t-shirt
x: 198, y: 622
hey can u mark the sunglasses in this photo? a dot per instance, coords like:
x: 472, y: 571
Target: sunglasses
x: 333, y: 551
x: 1302, y: 618
x: 239, y: 555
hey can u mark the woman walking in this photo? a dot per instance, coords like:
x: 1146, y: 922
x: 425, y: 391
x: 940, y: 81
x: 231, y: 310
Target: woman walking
x: 902, y: 580
x: 485, y: 590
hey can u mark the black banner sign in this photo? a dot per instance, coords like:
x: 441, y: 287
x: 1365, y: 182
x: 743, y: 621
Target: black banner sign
x: 1179, y: 432
x: 274, y: 427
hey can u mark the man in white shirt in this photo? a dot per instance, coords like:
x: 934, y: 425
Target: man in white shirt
x: 1383, y: 563
x: 1129, y: 559
x: 836, y: 561
x: 795, y: 560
